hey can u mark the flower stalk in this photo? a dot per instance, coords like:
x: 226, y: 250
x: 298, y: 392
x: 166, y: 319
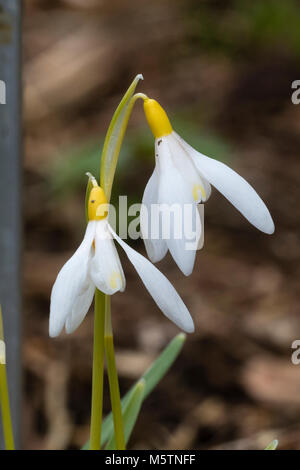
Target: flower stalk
x: 98, y: 365
x: 109, y: 159
x: 114, y: 139
x: 4, y: 396
x: 113, y: 379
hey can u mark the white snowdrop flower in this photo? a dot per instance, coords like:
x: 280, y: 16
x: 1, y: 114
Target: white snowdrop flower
x: 183, y: 176
x: 96, y: 264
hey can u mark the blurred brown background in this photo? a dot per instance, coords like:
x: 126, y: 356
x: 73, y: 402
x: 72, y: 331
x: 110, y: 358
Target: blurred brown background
x: 223, y: 71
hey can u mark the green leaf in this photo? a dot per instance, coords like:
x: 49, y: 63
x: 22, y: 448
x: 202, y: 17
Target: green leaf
x: 130, y: 412
x: 160, y: 367
x: 114, y: 138
x: 273, y: 445
x: 152, y: 377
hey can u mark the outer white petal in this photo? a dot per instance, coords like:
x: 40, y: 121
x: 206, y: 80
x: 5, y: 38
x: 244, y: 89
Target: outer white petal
x: 162, y: 291
x: 207, y: 188
x: 150, y: 226
x: 70, y: 283
x: 2, y: 352
x: 105, y: 268
x: 199, y: 186
x: 175, y: 197
x: 81, y: 307
x: 200, y: 208
x: 235, y: 189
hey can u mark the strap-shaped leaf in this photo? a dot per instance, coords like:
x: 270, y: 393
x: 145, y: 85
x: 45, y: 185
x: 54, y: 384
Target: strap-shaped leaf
x: 130, y: 412
x: 114, y: 138
x: 273, y: 445
x: 152, y: 377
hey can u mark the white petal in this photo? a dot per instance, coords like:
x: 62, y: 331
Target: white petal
x: 70, y: 282
x: 207, y: 189
x: 162, y: 291
x: 150, y: 225
x: 185, y: 165
x: 2, y: 352
x: 105, y: 269
x: 200, y: 209
x: 180, y: 215
x: 81, y: 307
x: 235, y: 189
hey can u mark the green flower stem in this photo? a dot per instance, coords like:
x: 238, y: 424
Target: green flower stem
x: 98, y: 364
x: 5, y: 410
x: 115, y: 134
x: 113, y: 380
x: 110, y: 154
x: 4, y: 398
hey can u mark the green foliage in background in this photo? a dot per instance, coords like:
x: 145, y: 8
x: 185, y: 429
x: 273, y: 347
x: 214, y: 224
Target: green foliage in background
x: 244, y: 28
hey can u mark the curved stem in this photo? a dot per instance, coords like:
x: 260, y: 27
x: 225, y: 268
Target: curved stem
x: 113, y: 379
x: 110, y: 154
x: 5, y: 410
x: 98, y: 362
x: 4, y: 395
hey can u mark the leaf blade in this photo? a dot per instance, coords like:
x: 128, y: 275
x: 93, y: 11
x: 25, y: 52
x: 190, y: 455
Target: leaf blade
x: 152, y: 377
x: 273, y: 445
x: 130, y: 413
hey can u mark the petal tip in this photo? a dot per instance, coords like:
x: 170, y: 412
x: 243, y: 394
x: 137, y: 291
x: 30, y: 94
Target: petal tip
x: 70, y: 328
x: 271, y: 229
x: 190, y: 328
x: 187, y: 271
x: 268, y: 227
x: 54, y: 331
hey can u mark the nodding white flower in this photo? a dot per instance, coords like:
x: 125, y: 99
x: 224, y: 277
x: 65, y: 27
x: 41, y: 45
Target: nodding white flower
x: 96, y: 263
x: 183, y: 176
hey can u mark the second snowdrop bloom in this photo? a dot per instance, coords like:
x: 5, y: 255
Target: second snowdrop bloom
x: 96, y: 263
x: 183, y: 176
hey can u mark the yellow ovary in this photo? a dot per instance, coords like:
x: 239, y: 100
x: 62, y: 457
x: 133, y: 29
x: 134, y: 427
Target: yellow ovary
x: 97, y: 206
x: 157, y: 118
x: 196, y: 188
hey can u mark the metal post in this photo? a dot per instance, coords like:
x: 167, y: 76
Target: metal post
x: 10, y: 198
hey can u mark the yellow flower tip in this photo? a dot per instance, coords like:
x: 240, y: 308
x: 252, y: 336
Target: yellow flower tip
x: 196, y: 188
x: 2, y: 352
x: 157, y: 118
x: 97, y: 206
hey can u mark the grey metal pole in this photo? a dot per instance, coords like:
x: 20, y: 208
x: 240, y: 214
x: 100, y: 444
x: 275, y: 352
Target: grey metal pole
x: 10, y: 197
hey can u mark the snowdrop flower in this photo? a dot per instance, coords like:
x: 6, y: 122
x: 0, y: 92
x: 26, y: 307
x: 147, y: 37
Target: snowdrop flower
x: 96, y: 263
x: 183, y: 175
